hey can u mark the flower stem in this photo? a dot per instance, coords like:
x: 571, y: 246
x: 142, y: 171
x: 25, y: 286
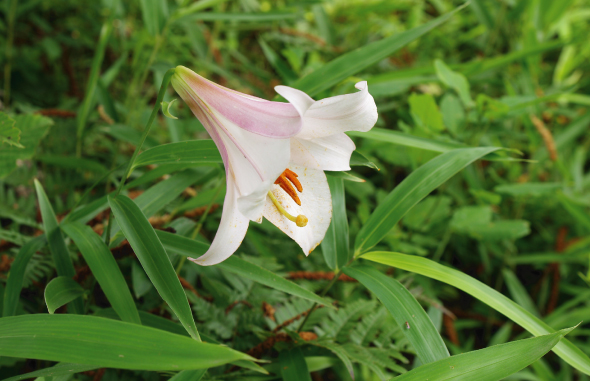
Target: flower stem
x: 161, y: 93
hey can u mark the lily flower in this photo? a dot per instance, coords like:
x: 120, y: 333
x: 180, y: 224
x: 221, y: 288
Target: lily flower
x: 275, y: 155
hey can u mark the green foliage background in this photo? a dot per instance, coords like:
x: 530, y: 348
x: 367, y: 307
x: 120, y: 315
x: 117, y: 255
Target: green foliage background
x: 80, y: 82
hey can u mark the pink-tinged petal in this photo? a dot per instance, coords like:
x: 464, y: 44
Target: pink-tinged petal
x: 262, y: 117
x: 231, y: 232
x: 349, y: 112
x: 255, y: 161
x: 301, y: 101
x: 329, y: 153
x: 316, y: 205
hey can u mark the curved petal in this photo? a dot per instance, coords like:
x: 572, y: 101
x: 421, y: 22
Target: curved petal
x: 262, y: 117
x: 316, y: 205
x: 231, y: 232
x: 350, y: 112
x: 255, y: 161
x: 297, y: 98
x: 329, y: 153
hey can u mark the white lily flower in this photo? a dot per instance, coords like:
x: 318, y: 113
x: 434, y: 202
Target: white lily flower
x: 275, y: 155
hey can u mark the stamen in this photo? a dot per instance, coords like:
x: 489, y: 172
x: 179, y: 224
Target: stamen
x: 300, y: 220
x: 287, y: 187
x: 286, y: 181
x: 292, y: 176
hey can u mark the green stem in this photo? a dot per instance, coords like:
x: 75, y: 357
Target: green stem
x: 146, y: 131
x: 10, y: 17
x: 105, y: 33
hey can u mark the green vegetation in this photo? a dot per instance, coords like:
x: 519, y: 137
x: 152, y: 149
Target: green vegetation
x: 459, y: 247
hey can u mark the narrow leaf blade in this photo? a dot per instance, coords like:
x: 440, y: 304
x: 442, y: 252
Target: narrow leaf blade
x: 190, y: 248
x: 105, y: 270
x: 489, y: 364
x: 407, y: 312
x: 413, y: 189
x: 565, y: 349
x: 107, y: 343
x: 153, y: 258
x: 55, y: 239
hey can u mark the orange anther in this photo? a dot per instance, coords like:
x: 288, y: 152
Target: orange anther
x: 286, y: 181
x: 292, y: 176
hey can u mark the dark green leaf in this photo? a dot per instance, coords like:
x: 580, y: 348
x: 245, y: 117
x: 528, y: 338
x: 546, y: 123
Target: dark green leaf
x: 490, y: 364
x: 187, y: 152
x: 190, y: 248
x: 107, y: 343
x: 353, y: 62
x: 407, y: 312
x: 105, y: 269
x: 60, y: 291
x: 413, y: 189
x: 565, y: 349
x: 63, y: 369
x: 14, y: 283
x: 57, y: 245
x: 293, y: 365
x: 153, y: 258
x: 335, y: 245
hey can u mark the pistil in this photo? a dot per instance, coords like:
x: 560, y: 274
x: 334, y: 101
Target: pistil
x: 300, y: 220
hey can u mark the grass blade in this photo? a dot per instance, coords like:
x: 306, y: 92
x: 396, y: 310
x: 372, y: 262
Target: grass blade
x: 413, y: 189
x: 57, y: 245
x: 187, y: 152
x: 565, y: 349
x: 64, y: 369
x: 105, y: 270
x: 335, y: 245
x: 190, y: 248
x: 353, y: 62
x: 107, y: 343
x: 489, y: 364
x: 153, y: 258
x: 405, y: 309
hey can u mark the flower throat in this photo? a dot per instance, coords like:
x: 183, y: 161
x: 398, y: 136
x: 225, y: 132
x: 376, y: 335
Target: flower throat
x: 286, y: 181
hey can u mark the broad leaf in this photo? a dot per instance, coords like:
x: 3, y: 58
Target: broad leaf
x: 33, y: 128
x: 8, y: 133
x: 60, y: 291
